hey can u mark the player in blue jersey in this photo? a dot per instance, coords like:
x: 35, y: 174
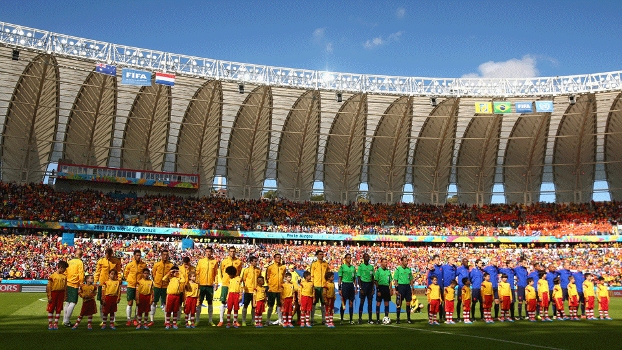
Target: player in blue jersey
x: 508, y: 270
x: 551, y: 274
x: 476, y: 275
x: 564, y: 276
x: 435, y: 269
x: 535, y: 276
x: 493, y: 271
x: 449, y: 275
x: 462, y: 272
x: 521, y: 274
x: 578, y: 281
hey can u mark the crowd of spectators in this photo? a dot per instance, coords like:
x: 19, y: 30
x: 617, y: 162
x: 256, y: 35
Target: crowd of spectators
x: 35, y: 256
x: 39, y: 202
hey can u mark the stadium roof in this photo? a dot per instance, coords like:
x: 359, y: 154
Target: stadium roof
x: 288, y: 125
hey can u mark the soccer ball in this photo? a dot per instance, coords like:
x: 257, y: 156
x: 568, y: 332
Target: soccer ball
x: 386, y: 320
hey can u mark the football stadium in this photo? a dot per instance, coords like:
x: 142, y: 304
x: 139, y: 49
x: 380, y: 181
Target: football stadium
x: 153, y: 199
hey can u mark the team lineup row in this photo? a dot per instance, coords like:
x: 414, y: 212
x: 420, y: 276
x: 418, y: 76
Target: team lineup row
x: 191, y: 285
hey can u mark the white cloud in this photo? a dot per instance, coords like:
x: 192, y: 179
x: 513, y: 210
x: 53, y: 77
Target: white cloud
x: 400, y: 13
x: 318, y: 34
x: 329, y: 47
x: 513, y: 68
x: 378, y: 41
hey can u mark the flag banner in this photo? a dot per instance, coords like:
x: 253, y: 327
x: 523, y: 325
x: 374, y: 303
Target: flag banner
x: 544, y: 106
x: 165, y: 79
x: 136, y: 77
x: 524, y: 107
x: 483, y: 107
x: 106, y: 69
x: 502, y: 107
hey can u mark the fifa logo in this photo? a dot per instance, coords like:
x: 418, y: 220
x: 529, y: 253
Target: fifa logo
x: 135, y: 75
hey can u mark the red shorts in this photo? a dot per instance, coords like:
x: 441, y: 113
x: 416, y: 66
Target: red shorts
x: 506, y: 303
x: 559, y: 303
x: 573, y: 301
x: 435, y: 306
x: 449, y: 306
x: 233, y: 301
x: 306, y: 303
x: 58, y: 297
x: 544, y: 301
x: 173, y: 302
x: 190, y: 306
x: 466, y: 305
x: 488, y: 301
x: 110, y: 304
x: 330, y: 305
x: 288, y: 306
x: 603, y: 304
x: 89, y: 307
x: 144, y: 304
x: 589, y: 303
x: 260, y: 307
x: 531, y: 305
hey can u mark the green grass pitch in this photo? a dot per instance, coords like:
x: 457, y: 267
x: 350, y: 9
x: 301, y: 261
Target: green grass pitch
x: 23, y: 325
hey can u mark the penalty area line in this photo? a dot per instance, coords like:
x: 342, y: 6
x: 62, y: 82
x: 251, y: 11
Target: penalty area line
x: 477, y: 337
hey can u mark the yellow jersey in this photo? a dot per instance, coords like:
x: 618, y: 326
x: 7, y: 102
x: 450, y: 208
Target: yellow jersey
x: 486, y: 288
x: 103, y: 268
x: 235, y: 285
x: 329, y: 290
x: 112, y: 288
x: 175, y: 285
x: 57, y: 281
x: 572, y: 290
x: 275, y: 274
x: 259, y: 293
x: 603, y: 291
x: 207, y: 271
x: 306, y: 288
x: 543, y: 287
x: 588, y: 289
x: 505, y: 290
x: 434, y: 292
x: 449, y: 293
x: 144, y: 287
x: 134, y: 272
x: 249, y: 277
x: 185, y: 271
x: 88, y: 291
x: 466, y: 292
x: 557, y: 292
x: 318, y: 271
x: 288, y: 290
x: 194, y: 290
x: 530, y: 293
x: 75, y: 273
x: 161, y: 269
x: 237, y: 263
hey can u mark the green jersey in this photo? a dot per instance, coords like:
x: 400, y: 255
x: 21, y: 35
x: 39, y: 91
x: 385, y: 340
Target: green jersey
x: 365, y: 272
x: 383, y: 277
x: 403, y: 275
x: 347, y: 273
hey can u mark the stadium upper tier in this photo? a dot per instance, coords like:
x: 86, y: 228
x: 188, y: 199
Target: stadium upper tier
x: 250, y: 123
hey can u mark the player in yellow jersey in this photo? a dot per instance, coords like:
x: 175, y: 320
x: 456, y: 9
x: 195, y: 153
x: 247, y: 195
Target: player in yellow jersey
x: 558, y: 299
x: 249, y: 280
x: 174, y: 290
x: 306, y: 295
x: 231, y: 260
x: 144, y: 299
x: 434, y: 301
x: 506, y: 298
x: 531, y: 299
x: 573, y: 298
x: 102, y: 272
x: 450, y: 293
x: 55, y: 289
x: 275, y: 274
x: 233, y: 295
x: 75, y: 278
x: 543, y: 295
x: 287, y: 300
x: 160, y: 269
x: 318, y: 271
x: 588, y: 293
x: 207, y: 275
x: 466, y: 300
x: 259, y: 300
x: 487, y: 297
x: 603, y: 299
x: 87, y: 292
x: 133, y: 273
x: 111, y: 295
x: 329, y: 298
x: 190, y: 301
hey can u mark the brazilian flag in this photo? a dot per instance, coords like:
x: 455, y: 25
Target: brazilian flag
x: 502, y: 107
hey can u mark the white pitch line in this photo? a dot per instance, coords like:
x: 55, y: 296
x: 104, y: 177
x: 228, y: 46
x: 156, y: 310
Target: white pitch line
x: 478, y: 337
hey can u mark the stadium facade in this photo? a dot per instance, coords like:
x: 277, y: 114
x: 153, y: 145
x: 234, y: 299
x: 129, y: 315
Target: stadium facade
x: 249, y: 123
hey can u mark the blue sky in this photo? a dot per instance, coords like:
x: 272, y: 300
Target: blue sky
x: 411, y: 38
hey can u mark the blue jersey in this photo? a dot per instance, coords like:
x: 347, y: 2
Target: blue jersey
x: 564, y: 275
x: 510, y: 273
x: 550, y: 276
x: 521, y: 276
x: 476, y: 277
x: 462, y: 272
x: 449, y: 274
x: 535, y: 277
x: 438, y: 273
x: 493, y: 271
x: 578, y: 280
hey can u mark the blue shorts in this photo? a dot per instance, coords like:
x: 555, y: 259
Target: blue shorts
x: 565, y: 293
x: 520, y: 292
x: 495, y: 293
x: 367, y: 291
x: 405, y: 292
x: 476, y: 295
x: 347, y: 291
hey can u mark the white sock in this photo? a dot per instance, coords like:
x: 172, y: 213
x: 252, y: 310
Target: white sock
x: 278, y: 312
x: 128, y: 312
x: 253, y: 316
x: 222, y: 313
x: 269, y: 314
x: 101, y: 312
x: 153, y: 310
x: 210, y: 312
x: 244, y: 310
x: 323, y: 309
x: 197, y: 315
x: 69, y: 311
x: 312, y: 315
